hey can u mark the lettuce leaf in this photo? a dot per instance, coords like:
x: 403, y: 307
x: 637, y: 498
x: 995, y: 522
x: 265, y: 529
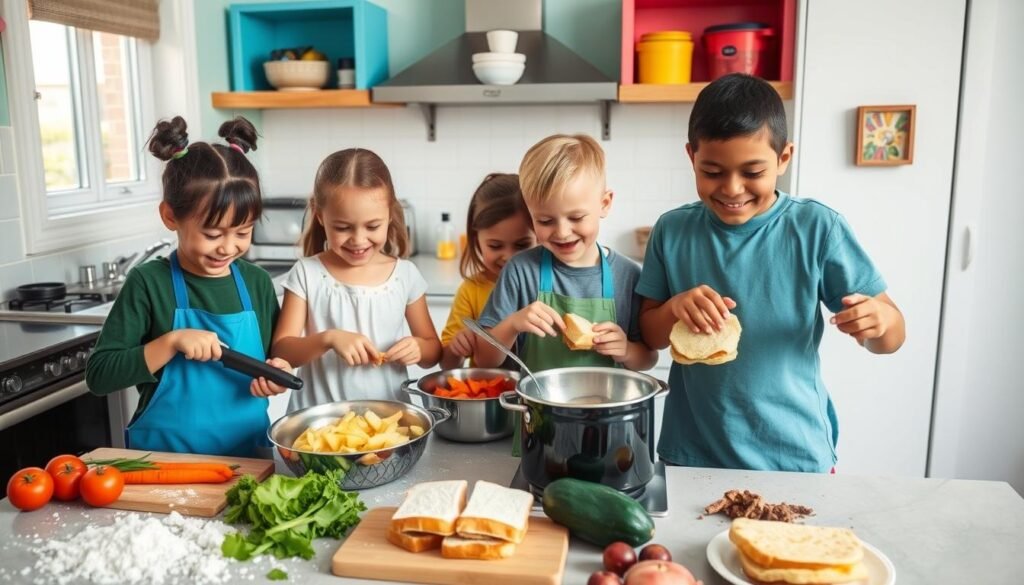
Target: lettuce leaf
x: 287, y: 513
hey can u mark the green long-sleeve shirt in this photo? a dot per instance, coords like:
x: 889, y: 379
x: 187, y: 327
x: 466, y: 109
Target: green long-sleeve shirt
x: 144, y: 310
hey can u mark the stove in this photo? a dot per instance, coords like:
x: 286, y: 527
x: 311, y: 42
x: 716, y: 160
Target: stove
x: 37, y: 359
x: 653, y: 496
x: 70, y: 303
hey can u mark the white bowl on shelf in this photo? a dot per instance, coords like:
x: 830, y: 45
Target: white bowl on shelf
x: 502, y: 41
x: 499, y: 57
x: 297, y: 75
x: 498, y: 72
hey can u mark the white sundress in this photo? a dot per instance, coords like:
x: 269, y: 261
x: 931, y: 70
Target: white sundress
x: 377, y: 311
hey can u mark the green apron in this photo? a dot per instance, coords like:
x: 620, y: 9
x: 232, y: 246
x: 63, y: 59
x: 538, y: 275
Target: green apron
x: 545, y: 353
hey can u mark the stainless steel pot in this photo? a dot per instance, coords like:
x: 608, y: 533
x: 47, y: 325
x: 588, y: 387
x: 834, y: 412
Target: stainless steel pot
x: 591, y: 423
x: 365, y: 469
x: 472, y: 421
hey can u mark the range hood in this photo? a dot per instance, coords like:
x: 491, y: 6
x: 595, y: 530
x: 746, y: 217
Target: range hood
x: 553, y: 75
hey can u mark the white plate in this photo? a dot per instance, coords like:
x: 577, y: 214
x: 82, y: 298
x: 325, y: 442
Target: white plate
x: 726, y: 562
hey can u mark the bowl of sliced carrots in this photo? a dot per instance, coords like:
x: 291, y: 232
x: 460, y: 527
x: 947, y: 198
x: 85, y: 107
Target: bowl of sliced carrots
x: 471, y: 396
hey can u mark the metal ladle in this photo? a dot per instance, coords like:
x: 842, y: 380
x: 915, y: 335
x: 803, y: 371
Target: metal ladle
x: 476, y: 328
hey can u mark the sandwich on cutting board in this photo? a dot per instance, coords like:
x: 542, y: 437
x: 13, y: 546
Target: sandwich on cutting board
x: 435, y: 515
x: 717, y: 347
x: 780, y: 553
x: 579, y: 332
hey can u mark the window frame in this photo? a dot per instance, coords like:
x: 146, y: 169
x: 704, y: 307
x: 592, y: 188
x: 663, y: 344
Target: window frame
x: 101, y: 212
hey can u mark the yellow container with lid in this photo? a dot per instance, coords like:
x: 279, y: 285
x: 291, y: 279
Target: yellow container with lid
x: 665, y: 57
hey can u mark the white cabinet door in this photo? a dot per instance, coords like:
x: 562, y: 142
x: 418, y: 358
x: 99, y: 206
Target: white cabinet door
x: 977, y: 431
x: 865, y: 56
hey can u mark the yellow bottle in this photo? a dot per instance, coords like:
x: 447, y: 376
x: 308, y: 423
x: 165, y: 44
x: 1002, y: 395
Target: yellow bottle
x: 446, y: 248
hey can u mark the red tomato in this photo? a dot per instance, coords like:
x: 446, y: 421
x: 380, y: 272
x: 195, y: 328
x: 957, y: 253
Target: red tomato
x: 102, y: 486
x: 67, y: 472
x: 30, y: 488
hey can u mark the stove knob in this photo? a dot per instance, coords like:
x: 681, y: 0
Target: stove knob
x: 82, y: 356
x: 12, y: 385
x: 53, y: 368
x: 68, y: 363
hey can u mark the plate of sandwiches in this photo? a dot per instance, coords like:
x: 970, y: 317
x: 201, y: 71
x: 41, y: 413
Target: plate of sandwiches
x: 763, y: 552
x: 435, y: 515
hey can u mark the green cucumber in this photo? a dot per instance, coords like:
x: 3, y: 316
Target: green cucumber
x: 597, y: 513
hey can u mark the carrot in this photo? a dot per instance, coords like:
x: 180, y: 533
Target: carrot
x: 221, y: 468
x: 151, y: 476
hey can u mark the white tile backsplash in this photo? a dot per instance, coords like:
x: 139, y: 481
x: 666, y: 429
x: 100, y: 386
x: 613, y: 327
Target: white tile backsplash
x: 12, y: 248
x: 7, y: 150
x: 646, y: 157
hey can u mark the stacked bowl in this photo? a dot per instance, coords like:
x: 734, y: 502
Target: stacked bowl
x: 502, y: 65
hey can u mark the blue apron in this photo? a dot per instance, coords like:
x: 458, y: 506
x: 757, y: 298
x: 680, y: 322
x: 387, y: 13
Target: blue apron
x: 203, y: 407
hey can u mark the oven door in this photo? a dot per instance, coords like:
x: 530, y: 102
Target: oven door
x: 70, y: 420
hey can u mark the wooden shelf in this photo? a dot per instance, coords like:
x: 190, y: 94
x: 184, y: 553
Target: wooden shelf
x: 269, y: 100
x: 651, y: 94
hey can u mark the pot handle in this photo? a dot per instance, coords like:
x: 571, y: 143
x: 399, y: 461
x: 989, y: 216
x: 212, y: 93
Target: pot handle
x: 663, y: 390
x: 439, y: 414
x: 410, y: 387
x: 504, y: 398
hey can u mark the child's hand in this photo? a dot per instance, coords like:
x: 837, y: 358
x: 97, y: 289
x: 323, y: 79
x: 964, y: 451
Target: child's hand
x: 701, y: 308
x: 463, y: 344
x: 354, y: 348
x: 196, y: 344
x: 863, y: 318
x: 405, y: 351
x: 610, y: 340
x: 538, y: 319
x: 263, y: 388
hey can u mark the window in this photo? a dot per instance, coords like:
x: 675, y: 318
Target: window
x: 90, y: 107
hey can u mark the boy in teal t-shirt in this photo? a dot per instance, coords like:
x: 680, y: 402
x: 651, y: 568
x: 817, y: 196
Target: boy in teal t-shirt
x: 772, y: 259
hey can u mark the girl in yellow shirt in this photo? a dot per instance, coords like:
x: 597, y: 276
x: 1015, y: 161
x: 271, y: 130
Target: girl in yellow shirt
x: 498, y: 226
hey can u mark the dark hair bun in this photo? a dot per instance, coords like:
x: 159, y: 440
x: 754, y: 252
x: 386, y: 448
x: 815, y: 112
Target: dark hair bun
x: 239, y: 132
x: 168, y: 137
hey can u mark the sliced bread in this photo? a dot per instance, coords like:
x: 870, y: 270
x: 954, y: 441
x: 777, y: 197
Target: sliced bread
x: 579, y: 332
x: 432, y: 507
x: 495, y: 511
x: 711, y: 349
x: 795, y: 546
x: 838, y: 575
x: 456, y: 547
x: 414, y: 541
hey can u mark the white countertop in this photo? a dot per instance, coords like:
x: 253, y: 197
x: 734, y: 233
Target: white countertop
x: 933, y: 530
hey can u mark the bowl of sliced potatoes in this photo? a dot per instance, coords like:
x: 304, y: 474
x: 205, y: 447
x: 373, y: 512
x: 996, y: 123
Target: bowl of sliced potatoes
x: 372, y: 442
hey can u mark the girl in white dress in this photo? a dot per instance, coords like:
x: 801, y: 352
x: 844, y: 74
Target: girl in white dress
x: 363, y: 308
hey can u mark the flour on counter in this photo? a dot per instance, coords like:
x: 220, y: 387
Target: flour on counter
x: 138, y: 549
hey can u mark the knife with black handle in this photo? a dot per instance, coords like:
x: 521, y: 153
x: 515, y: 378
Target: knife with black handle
x: 249, y: 366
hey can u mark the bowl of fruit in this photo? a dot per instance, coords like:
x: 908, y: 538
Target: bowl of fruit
x: 303, y: 69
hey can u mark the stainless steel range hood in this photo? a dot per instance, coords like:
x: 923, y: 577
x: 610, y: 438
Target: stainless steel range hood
x: 554, y: 74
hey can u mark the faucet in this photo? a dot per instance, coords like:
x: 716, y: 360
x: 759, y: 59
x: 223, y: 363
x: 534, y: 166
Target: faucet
x: 125, y: 264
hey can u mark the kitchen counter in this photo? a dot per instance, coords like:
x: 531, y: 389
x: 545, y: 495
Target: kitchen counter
x: 934, y: 531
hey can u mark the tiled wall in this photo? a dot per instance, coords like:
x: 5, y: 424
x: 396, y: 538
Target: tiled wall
x: 647, y: 164
x: 17, y: 269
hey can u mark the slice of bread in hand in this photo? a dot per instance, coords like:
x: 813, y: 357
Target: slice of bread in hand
x: 772, y: 544
x: 432, y: 507
x: 456, y: 547
x: 579, y: 333
x: 496, y: 511
x: 717, y: 347
x: 414, y: 541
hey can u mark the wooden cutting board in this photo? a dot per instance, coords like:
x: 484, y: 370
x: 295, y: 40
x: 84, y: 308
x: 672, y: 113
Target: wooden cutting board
x: 366, y: 554
x: 194, y: 499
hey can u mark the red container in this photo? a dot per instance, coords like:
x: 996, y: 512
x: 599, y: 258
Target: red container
x: 743, y: 47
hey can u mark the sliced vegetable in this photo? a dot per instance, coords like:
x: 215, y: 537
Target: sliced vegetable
x: 277, y: 575
x: 475, y: 389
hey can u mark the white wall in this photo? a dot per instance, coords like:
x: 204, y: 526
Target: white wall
x: 977, y: 432
x: 878, y: 53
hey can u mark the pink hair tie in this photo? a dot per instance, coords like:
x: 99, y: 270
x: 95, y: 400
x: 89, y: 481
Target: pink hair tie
x: 236, y: 147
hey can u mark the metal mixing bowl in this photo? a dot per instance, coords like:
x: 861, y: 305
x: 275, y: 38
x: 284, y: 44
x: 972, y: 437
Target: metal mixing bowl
x: 474, y: 420
x: 365, y: 469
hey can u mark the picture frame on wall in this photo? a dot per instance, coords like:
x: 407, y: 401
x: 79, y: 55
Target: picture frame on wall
x: 885, y: 135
